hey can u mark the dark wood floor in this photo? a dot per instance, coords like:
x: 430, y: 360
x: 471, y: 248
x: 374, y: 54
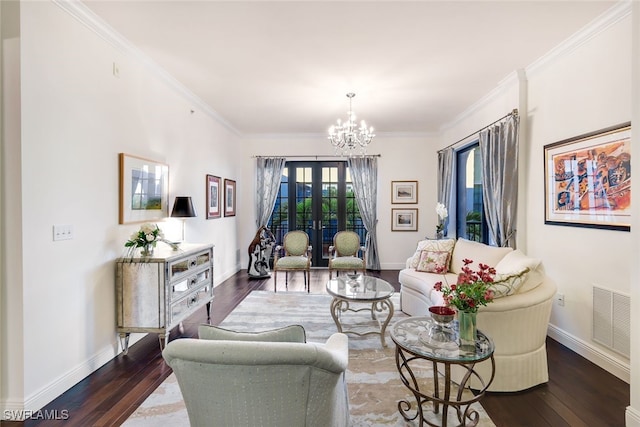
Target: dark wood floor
x: 578, y: 393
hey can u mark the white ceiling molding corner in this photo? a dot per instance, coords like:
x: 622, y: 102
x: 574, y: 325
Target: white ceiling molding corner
x: 92, y: 21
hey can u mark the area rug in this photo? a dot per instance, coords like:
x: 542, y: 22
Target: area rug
x: 373, y: 381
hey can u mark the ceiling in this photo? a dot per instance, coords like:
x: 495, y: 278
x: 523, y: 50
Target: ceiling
x: 282, y: 67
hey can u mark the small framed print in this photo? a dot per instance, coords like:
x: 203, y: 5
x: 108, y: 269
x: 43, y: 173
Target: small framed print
x: 213, y: 197
x: 404, y: 192
x: 229, y: 197
x: 404, y: 219
x: 588, y: 180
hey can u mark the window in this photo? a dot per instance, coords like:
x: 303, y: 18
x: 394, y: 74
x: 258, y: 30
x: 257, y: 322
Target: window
x: 470, y: 220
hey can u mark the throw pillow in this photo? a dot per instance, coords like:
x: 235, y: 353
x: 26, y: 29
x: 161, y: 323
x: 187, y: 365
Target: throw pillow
x: 508, y: 284
x: 433, y: 262
x: 515, y: 262
x: 444, y: 245
x: 291, y: 333
x: 478, y: 253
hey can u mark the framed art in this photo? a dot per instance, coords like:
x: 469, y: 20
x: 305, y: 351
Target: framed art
x: 144, y: 189
x: 229, y: 197
x: 588, y: 180
x: 213, y: 197
x: 404, y: 219
x: 404, y: 192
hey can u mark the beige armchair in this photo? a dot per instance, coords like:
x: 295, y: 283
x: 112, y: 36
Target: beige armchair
x: 297, y: 257
x: 239, y: 379
x: 343, y: 255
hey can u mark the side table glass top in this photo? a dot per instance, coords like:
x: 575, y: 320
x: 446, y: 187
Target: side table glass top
x: 364, y: 288
x: 412, y: 335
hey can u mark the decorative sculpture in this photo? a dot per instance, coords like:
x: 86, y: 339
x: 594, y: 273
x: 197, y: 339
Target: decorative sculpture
x: 260, y: 252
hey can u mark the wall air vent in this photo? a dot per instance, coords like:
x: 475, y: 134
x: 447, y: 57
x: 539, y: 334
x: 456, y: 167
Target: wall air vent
x: 611, y: 319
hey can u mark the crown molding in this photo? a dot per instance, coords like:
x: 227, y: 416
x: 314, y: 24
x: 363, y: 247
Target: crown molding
x: 87, y: 17
x: 609, y: 18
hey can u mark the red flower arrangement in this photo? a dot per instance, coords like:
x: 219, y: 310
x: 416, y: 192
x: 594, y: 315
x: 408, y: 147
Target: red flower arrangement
x: 472, y: 289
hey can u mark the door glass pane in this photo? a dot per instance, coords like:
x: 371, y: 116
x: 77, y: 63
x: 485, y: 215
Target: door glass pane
x: 329, y: 207
x: 304, y: 205
x: 470, y: 211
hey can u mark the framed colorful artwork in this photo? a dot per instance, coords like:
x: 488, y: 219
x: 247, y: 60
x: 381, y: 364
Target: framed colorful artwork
x: 229, y: 197
x: 213, y: 197
x: 404, y: 192
x: 144, y: 189
x: 588, y: 180
x: 404, y: 219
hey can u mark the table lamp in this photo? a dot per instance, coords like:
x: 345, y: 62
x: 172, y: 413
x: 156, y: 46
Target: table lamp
x: 183, y: 208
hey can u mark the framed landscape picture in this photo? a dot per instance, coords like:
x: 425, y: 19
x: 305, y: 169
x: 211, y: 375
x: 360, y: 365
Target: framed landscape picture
x: 404, y: 219
x: 588, y: 180
x: 229, y: 197
x: 144, y: 189
x: 213, y: 197
x: 404, y: 192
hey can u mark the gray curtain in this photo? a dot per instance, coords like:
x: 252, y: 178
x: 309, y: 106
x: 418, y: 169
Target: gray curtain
x: 499, y: 151
x: 364, y: 174
x: 269, y: 174
x: 445, y: 180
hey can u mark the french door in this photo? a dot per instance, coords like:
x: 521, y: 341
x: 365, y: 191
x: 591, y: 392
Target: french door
x: 316, y: 197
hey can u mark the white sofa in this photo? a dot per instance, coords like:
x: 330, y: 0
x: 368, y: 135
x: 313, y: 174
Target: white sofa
x: 516, y: 320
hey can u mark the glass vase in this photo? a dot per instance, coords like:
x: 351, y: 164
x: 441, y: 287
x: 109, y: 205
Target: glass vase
x: 147, y: 250
x: 467, y: 329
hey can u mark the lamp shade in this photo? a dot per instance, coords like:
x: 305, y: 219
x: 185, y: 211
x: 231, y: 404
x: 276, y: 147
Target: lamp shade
x: 183, y: 208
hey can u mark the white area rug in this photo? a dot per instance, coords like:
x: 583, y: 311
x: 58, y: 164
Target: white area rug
x: 372, y: 378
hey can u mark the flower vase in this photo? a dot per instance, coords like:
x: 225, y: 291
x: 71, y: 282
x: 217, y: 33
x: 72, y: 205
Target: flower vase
x: 147, y: 250
x: 467, y: 329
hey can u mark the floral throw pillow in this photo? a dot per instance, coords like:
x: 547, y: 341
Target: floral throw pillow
x: 431, y: 245
x: 433, y: 262
x: 508, y: 284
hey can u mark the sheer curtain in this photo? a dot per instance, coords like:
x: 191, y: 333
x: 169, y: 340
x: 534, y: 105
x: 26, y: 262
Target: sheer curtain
x: 499, y: 151
x: 269, y: 174
x: 364, y: 174
x: 445, y: 180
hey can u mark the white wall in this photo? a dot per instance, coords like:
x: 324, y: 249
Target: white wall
x: 566, y: 95
x: 403, y: 158
x: 76, y: 116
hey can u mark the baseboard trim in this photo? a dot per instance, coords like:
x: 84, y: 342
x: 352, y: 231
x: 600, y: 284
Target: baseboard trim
x: 632, y: 417
x: 609, y: 363
x: 16, y: 409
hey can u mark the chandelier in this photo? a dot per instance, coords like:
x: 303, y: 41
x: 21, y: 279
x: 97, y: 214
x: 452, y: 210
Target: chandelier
x: 347, y: 138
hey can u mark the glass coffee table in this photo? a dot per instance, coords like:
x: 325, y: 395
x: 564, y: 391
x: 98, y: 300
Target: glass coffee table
x: 373, y: 292
x: 415, y: 345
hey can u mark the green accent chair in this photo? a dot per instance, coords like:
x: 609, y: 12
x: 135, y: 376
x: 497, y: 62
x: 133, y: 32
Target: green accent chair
x: 297, y: 257
x: 267, y: 379
x: 343, y: 255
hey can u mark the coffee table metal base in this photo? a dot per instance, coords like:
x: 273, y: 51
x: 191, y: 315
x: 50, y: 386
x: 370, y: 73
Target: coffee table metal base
x: 466, y: 414
x: 340, y: 305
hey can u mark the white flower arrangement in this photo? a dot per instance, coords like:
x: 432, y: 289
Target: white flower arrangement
x: 147, y: 237
x: 443, y: 213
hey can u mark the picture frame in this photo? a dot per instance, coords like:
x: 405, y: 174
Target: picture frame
x: 404, y: 219
x: 213, y: 197
x: 229, y: 197
x: 144, y: 189
x: 588, y: 180
x: 404, y: 192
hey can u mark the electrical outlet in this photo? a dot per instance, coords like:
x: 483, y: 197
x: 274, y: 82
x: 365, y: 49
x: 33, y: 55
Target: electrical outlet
x: 560, y: 299
x: 62, y: 232
x: 116, y: 70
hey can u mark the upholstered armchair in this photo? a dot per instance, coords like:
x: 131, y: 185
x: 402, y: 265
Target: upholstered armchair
x: 343, y: 255
x: 244, y: 380
x: 297, y: 257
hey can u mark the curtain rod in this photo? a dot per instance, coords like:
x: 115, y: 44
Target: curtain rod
x: 514, y: 112
x: 317, y: 156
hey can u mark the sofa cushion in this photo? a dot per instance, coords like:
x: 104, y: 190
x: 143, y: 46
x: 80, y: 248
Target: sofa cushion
x: 517, y: 261
x: 422, y: 283
x: 476, y: 252
x: 434, y: 262
x: 431, y: 245
x: 290, y: 333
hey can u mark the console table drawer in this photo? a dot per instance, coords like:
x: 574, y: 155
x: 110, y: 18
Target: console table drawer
x: 182, y: 308
x: 188, y: 283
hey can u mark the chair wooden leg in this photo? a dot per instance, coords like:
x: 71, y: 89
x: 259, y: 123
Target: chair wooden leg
x: 307, y: 281
x: 275, y: 281
x: 286, y: 280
